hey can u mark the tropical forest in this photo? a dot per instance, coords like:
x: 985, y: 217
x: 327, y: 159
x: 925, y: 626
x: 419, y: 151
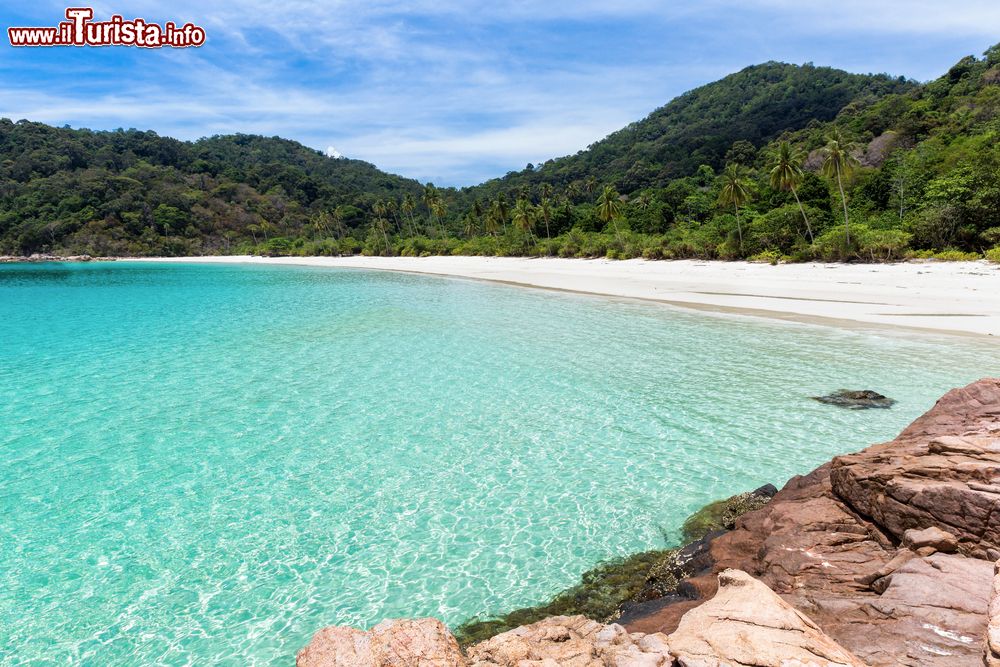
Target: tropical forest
x: 774, y: 163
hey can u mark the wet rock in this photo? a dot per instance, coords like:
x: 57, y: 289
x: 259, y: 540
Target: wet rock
x: 856, y: 400
x: 722, y: 514
x: 599, y: 596
x: 747, y: 624
x: 424, y: 642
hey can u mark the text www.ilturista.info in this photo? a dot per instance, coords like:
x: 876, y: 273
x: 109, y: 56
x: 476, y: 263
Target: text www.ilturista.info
x: 80, y: 30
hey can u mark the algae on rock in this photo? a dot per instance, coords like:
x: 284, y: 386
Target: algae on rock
x: 722, y: 514
x: 644, y: 576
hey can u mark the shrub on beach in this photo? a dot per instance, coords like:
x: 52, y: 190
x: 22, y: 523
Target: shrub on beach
x: 946, y: 255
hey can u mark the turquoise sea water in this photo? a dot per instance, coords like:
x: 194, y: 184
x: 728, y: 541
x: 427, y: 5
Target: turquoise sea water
x: 205, y: 464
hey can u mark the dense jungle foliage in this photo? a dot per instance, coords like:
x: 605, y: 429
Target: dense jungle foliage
x: 775, y: 163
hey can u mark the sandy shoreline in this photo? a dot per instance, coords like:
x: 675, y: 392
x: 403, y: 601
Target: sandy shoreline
x: 952, y: 297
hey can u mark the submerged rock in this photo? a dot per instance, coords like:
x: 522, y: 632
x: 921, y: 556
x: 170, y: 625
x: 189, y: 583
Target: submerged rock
x: 623, y: 587
x: 856, y: 400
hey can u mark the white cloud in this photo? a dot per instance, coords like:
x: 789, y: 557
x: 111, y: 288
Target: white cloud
x: 458, y: 91
x: 333, y: 152
x: 928, y: 17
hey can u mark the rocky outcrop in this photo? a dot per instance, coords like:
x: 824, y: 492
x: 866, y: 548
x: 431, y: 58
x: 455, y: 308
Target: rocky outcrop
x: 943, y: 471
x: 573, y: 641
x: 835, y: 543
x: 746, y: 624
x: 424, y: 642
x: 889, y: 551
x: 991, y: 643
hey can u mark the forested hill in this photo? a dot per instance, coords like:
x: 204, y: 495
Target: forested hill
x: 128, y: 192
x: 755, y: 105
x: 776, y: 162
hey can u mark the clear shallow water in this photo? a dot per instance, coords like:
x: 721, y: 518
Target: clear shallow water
x: 205, y: 464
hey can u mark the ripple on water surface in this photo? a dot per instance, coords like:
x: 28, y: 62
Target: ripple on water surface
x: 204, y: 464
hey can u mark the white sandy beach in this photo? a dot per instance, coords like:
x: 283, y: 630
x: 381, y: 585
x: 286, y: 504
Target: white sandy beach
x: 953, y: 297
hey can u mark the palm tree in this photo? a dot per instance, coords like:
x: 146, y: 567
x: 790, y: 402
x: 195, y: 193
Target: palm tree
x: 786, y: 174
x: 500, y: 210
x: 430, y: 193
x: 642, y: 202
x: 609, y: 208
x: 471, y: 224
x: 439, y: 209
x: 265, y: 226
x: 590, y: 185
x: 408, y: 205
x: 435, y: 205
x: 545, y: 213
x: 839, y: 162
x: 393, y: 209
x: 337, y: 218
x: 379, y: 208
x: 735, y: 192
x: 573, y: 191
x: 546, y: 190
x: 524, y: 216
x: 490, y: 222
x: 380, y: 226
x: 429, y: 196
x: 319, y: 223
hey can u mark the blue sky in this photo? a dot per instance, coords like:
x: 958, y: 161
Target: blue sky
x: 456, y: 92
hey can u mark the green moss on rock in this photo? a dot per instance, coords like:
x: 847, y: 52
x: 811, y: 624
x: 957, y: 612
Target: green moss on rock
x: 722, y: 514
x: 598, y: 596
x: 644, y: 576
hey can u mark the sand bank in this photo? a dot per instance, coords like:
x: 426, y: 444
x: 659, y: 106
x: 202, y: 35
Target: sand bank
x: 953, y: 297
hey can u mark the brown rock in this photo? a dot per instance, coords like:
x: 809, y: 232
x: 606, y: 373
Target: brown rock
x: 991, y: 642
x: 938, y: 609
x: 424, y: 642
x: 830, y: 547
x: 938, y: 472
x: 828, y: 543
x: 747, y: 624
x: 571, y: 641
x: 933, y: 537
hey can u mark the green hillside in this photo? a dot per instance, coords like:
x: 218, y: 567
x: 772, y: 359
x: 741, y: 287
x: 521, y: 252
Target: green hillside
x: 136, y: 193
x: 699, y: 127
x: 872, y: 168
